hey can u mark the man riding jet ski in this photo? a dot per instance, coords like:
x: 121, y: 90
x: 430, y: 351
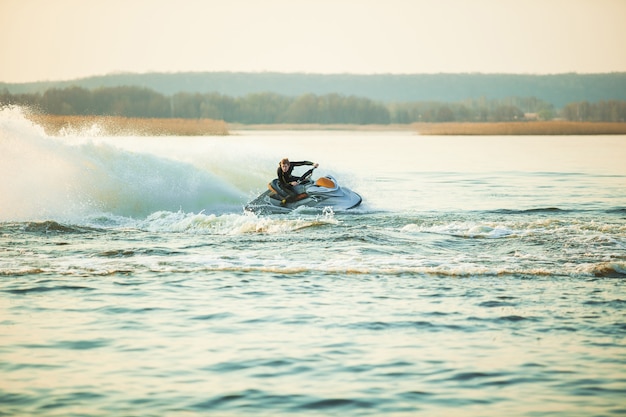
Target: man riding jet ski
x: 286, y: 181
x: 288, y: 192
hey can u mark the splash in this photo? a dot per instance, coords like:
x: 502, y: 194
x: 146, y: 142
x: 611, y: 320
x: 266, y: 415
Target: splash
x: 66, y: 178
x: 229, y: 223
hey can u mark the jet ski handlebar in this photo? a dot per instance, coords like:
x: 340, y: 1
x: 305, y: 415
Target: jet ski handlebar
x: 306, y: 175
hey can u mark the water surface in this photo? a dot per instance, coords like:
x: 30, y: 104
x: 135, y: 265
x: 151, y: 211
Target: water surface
x: 482, y: 276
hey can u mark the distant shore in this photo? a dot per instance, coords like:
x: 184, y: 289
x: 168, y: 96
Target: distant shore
x: 124, y: 126
x: 556, y: 127
x: 539, y: 128
x: 316, y: 126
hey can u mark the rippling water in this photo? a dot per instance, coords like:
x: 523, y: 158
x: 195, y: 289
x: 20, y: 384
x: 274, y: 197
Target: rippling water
x: 481, y: 277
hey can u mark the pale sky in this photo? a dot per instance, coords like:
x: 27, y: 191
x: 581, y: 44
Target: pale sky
x: 66, y: 39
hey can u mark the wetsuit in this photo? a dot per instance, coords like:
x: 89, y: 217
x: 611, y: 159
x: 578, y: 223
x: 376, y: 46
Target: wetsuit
x: 284, y: 178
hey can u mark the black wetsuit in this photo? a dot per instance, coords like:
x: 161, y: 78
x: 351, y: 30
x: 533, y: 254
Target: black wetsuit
x: 284, y: 178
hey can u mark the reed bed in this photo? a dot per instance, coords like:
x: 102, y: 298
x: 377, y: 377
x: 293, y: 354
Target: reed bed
x: 522, y: 128
x: 127, y: 126
x: 320, y: 126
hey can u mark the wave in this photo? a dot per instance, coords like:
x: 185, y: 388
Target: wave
x: 230, y: 224
x: 467, y: 230
x: 176, y: 222
x: 608, y: 270
x: 69, y: 177
x: 222, y: 265
x: 533, y: 210
x: 328, y: 244
x: 49, y: 226
x: 617, y: 210
x: 557, y: 210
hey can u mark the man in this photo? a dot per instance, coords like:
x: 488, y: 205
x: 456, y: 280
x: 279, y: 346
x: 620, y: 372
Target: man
x: 287, y: 181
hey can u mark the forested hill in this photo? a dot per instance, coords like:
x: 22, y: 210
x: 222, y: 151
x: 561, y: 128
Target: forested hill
x: 558, y: 89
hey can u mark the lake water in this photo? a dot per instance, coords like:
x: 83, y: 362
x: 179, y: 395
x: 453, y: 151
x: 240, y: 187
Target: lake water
x: 481, y: 276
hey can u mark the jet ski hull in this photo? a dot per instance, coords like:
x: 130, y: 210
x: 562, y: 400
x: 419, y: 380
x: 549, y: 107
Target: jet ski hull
x: 325, y: 192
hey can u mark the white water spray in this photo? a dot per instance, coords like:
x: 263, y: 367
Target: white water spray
x: 64, y: 178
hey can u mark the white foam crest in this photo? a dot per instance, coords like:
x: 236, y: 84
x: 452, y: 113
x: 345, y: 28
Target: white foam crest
x: 581, y: 230
x: 465, y: 229
x: 274, y: 264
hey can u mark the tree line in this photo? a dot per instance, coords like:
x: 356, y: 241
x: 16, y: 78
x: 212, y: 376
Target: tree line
x: 602, y: 111
x: 558, y: 89
x: 269, y: 108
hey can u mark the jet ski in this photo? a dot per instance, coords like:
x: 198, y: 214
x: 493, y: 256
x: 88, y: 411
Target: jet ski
x: 319, y: 194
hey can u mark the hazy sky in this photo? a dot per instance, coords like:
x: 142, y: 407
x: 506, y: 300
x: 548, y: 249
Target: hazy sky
x: 65, y: 39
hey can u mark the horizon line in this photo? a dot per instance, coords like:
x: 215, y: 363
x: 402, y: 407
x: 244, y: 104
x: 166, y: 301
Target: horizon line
x: 356, y: 74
